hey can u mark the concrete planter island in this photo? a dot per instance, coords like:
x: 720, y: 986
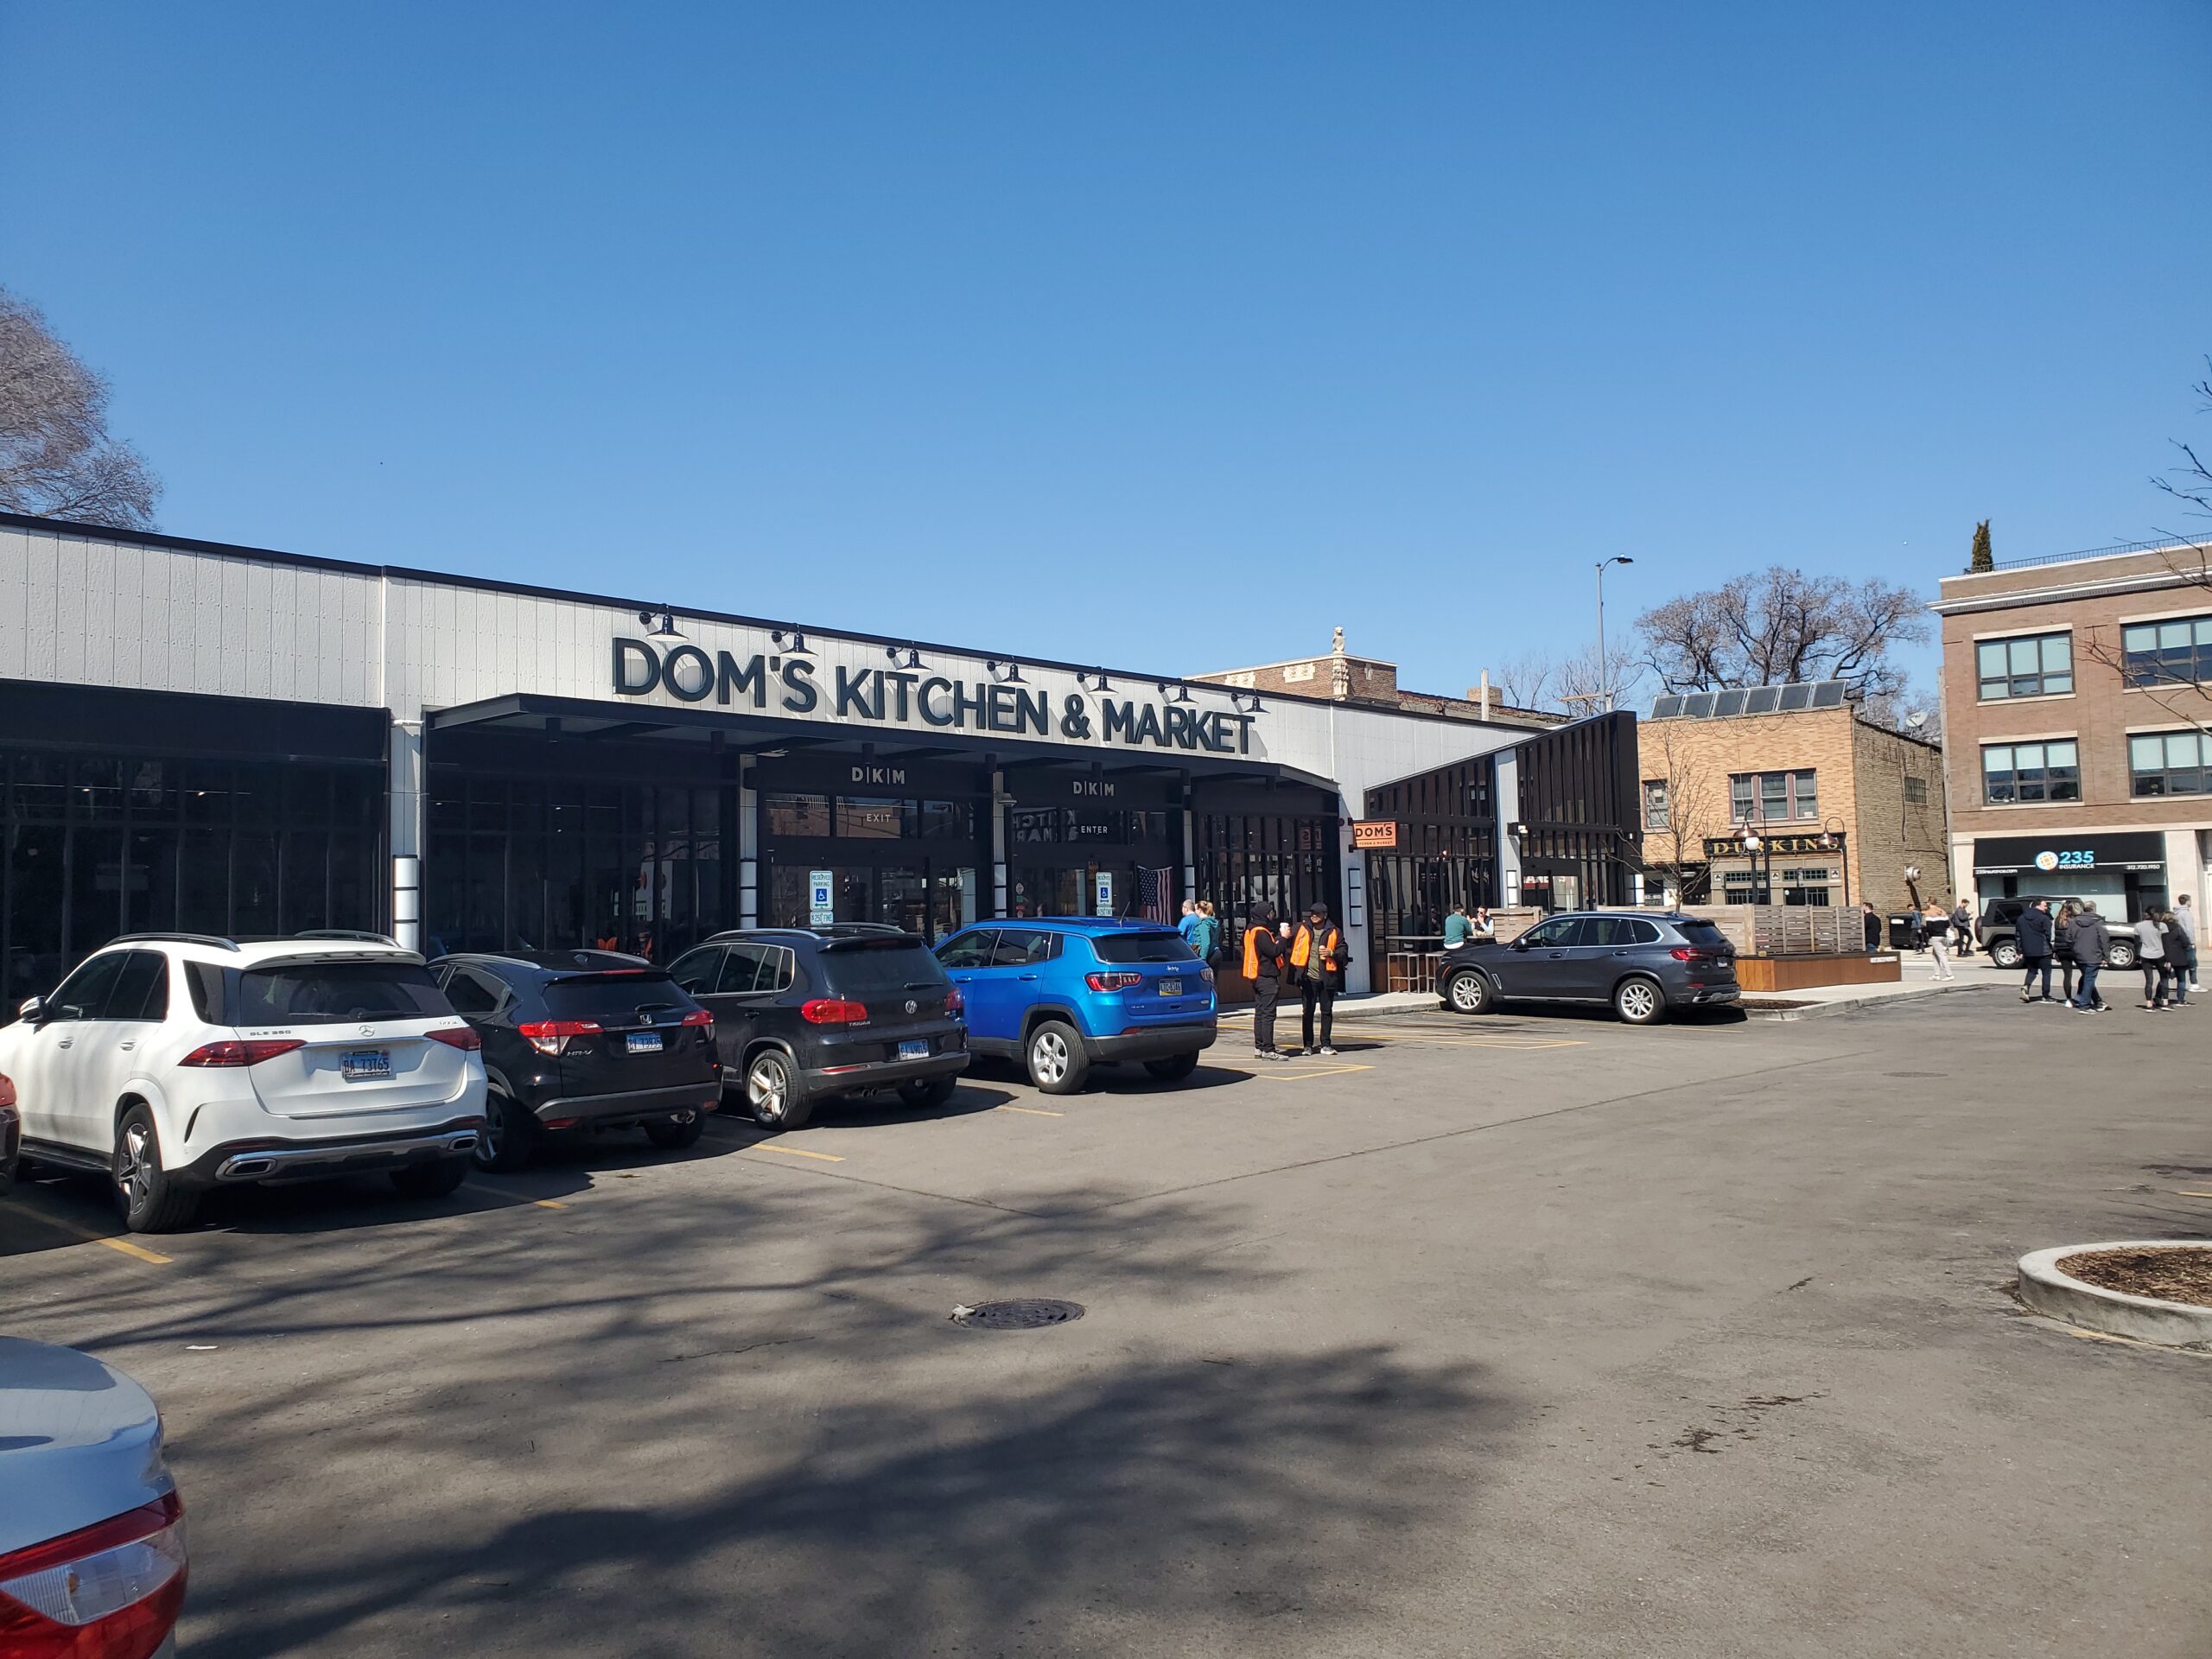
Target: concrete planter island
x: 2046, y: 1288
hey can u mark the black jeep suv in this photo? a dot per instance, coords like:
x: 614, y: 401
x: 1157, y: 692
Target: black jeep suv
x: 582, y: 1040
x: 805, y: 1014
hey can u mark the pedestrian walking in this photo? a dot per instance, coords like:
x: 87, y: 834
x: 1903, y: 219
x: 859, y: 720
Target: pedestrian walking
x: 2034, y: 936
x: 1963, y: 929
x: 1205, y: 936
x: 1317, y: 957
x: 1870, y: 919
x: 2091, y: 938
x: 2176, y: 943
x: 2062, y: 948
x: 1938, y: 921
x: 2186, y: 920
x: 1458, y: 927
x: 1188, y: 927
x: 1263, y: 955
x: 2151, y: 957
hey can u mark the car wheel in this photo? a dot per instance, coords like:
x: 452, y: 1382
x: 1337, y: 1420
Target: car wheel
x: 2119, y: 956
x: 510, y: 1138
x: 926, y: 1094
x: 149, y: 1201
x: 437, y: 1180
x: 772, y: 1091
x: 1639, y: 1001
x: 1174, y: 1068
x: 1056, y: 1063
x: 673, y: 1134
x: 2006, y: 953
x: 1468, y: 993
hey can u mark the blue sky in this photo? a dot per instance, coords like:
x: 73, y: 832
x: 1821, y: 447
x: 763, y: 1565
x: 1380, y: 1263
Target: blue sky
x: 1162, y: 336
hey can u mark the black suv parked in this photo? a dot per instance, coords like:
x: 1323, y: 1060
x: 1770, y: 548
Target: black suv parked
x: 805, y: 1014
x: 584, y: 1040
x: 1999, y: 927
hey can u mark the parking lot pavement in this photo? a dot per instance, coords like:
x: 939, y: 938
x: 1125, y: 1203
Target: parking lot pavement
x: 1526, y: 1335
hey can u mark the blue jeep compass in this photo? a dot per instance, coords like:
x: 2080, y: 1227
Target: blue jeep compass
x: 1062, y: 994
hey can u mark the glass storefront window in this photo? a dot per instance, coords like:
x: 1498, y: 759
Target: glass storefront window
x: 868, y: 818
x: 797, y: 815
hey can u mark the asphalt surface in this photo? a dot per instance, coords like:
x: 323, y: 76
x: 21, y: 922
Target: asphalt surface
x: 1533, y: 1335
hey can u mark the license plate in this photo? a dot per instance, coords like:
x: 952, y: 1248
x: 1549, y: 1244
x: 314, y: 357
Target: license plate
x: 1171, y: 987
x: 645, y: 1042
x: 917, y: 1050
x: 364, y: 1065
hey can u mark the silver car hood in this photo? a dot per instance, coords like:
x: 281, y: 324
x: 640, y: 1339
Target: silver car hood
x: 80, y: 1442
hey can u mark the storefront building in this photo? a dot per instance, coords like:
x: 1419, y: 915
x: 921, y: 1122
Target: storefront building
x: 1785, y: 794
x: 2078, y: 697
x: 210, y: 738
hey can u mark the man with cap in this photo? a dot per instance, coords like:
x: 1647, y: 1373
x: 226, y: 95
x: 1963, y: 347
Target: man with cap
x: 1317, y: 957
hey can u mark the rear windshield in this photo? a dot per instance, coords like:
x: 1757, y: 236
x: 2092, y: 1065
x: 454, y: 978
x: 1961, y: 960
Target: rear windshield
x: 592, y: 996
x: 1143, y: 947
x: 328, y: 993
x: 862, y: 970
x: 1700, y: 931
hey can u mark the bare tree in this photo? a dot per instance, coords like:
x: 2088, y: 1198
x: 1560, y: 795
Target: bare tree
x: 1915, y: 709
x: 1581, y: 685
x: 1675, y: 824
x: 1781, y: 625
x: 1521, y: 681
x: 57, y: 460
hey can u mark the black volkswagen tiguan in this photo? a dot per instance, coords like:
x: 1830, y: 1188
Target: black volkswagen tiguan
x: 805, y: 1014
x: 582, y: 1040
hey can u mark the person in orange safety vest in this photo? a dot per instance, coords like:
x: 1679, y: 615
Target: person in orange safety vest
x: 1316, y: 962
x: 1263, y: 968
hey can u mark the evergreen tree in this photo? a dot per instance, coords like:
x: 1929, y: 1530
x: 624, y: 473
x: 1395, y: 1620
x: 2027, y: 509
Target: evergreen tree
x: 1982, y: 559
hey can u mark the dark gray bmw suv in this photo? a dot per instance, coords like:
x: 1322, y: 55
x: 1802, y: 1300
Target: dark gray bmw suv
x: 1644, y: 963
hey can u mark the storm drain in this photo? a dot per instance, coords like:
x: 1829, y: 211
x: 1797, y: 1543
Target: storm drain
x: 1031, y: 1315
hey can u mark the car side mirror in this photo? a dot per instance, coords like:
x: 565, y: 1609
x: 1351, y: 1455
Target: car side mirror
x: 1519, y: 944
x: 31, y: 1008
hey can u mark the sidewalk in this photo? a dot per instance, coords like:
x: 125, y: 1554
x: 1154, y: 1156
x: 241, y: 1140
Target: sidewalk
x: 1973, y: 975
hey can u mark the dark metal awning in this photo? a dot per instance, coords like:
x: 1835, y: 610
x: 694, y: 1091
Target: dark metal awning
x: 583, y: 720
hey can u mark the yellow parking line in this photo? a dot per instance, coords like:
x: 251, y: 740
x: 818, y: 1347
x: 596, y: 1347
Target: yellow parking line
x: 1033, y: 1111
x: 2193, y: 1195
x: 795, y: 1151
x: 138, y: 1251
x: 1326, y: 1072
x: 549, y: 1203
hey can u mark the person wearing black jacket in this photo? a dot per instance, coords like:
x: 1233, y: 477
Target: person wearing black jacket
x: 1871, y: 922
x: 2088, y: 942
x: 1263, y: 955
x: 2033, y: 932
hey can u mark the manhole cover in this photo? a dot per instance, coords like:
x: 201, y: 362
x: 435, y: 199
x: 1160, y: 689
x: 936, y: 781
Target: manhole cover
x: 1017, y: 1316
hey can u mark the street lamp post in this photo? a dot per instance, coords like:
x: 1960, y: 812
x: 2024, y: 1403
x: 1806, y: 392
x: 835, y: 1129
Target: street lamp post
x: 1604, y: 687
x: 1833, y: 829
x: 1762, y: 885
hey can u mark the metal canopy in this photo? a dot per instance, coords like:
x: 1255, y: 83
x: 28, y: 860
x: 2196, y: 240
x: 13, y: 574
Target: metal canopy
x: 564, y: 718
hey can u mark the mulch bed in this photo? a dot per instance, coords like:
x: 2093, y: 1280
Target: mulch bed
x: 2168, y: 1275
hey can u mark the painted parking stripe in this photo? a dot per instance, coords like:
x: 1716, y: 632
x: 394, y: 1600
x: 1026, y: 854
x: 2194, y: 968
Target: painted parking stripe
x: 1325, y: 1071
x: 795, y: 1151
x: 1033, y: 1111
x: 137, y: 1252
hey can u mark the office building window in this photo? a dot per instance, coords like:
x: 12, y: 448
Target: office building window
x: 1772, y: 797
x: 2167, y: 653
x: 1655, y: 804
x: 2039, y: 666
x: 2030, y: 772
x: 2169, y: 763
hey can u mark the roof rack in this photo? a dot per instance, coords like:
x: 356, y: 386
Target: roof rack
x: 208, y: 939
x: 361, y: 934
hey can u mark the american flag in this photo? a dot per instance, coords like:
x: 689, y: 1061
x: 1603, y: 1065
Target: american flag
x: 1155, y: 894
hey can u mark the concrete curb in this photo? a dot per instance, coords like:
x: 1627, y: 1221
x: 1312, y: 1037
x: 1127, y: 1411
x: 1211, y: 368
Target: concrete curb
x: 1857, y: 1004
x: 2170, y: 1324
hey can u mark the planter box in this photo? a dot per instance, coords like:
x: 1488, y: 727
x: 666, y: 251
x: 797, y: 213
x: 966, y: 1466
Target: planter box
x: 1757, y: 974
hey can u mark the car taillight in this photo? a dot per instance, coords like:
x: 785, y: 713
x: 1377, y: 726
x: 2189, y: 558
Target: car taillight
x: 833, y: 1011
x: 463, y: 1038
x: 954, y: 1002
x: 699, y: 1017
x: 1112, y: 981
x: 235, y: 1052
x: 1691, y: 953
x: 111, y: 1591
x: 551, y: 1036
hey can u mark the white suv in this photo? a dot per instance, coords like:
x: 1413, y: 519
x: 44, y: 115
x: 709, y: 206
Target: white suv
x: 173, y: 1063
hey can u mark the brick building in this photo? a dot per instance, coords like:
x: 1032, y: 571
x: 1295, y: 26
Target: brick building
x: 1842, y: 807
x: 2075, y: 698
x: 1336, y: 677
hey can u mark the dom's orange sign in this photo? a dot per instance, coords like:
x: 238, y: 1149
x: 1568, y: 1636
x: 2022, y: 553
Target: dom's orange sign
x: 1381, y: 834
